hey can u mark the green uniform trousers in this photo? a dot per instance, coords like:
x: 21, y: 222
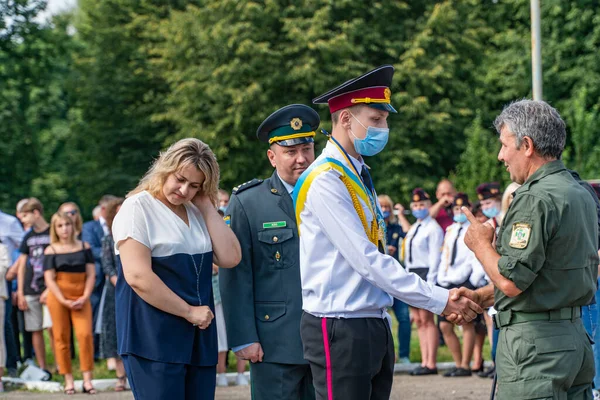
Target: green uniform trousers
x: 545, y: 360
x: 272, y: 381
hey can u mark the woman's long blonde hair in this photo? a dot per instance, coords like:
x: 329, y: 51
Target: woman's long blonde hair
x: 78, y: 226
x: 185, y: 152
x: 55, y: 218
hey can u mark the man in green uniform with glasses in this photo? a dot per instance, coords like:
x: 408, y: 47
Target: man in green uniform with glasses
x: 544, y: 266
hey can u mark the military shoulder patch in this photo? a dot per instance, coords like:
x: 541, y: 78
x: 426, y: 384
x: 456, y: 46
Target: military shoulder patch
x: 519, y: 238
x: 227, y: 220
x: 246, y: 185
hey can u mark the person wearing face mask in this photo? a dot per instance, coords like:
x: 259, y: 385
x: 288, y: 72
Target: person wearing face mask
x: 455, y: 269
x: 421, y: 253
x: 223, y: 200
x: 167, y: 235
x: 478, y: 213
x: 261, y: 297
x: 490, y: 199
x: 347, y: 279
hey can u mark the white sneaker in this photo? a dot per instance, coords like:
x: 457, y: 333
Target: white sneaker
x: 404, y: 360
x: 30, y: 362
x: 241, y: 380
x: 596, y: 394
x: 221, y: 380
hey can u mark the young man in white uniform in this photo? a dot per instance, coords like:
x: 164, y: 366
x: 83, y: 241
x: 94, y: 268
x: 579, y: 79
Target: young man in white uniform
x: 347, y: 282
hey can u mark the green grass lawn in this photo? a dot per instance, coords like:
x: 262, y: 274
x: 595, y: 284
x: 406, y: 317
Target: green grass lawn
x: 102, y: 372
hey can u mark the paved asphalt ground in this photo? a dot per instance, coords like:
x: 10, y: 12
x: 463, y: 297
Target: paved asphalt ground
x: 405, y: 387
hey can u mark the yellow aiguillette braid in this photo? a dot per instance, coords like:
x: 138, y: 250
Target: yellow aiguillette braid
x: 372, y: 234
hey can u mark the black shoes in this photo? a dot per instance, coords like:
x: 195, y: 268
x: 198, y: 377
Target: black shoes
x: 478, y: 370
x: 487, y: 373
x: 457, y: 372
x: 420, y: 370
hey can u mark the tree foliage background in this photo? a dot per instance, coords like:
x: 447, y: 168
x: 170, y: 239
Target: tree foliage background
x: 90, y: 97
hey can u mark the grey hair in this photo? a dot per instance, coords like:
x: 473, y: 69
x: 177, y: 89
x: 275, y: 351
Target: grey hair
x: 537, y: 120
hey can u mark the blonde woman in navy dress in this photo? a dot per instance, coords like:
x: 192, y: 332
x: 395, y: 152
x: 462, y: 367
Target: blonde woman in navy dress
x: 167, y: 235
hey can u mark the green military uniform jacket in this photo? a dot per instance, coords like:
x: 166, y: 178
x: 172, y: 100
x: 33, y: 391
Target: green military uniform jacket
x: 262, y: 299
x: 548, y: 243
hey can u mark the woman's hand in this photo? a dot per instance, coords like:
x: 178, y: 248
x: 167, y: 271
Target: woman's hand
x: 80, y: 302
x: 203, y: 202
x: 200, y: 316
x: 67, y: 303
x: 44, y: 297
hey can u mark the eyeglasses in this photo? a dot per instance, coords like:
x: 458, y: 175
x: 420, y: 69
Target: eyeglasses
x: 71, y: 213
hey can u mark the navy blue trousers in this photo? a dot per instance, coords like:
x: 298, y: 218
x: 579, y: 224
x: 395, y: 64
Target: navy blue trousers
x: 153, y: 380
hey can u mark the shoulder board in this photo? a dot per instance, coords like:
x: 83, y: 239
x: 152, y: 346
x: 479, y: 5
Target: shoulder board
x: 246, y: 185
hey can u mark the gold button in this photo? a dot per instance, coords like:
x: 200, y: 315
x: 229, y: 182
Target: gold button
x: 275, y: 239
x: 273, y: 190
x: 267, y: 317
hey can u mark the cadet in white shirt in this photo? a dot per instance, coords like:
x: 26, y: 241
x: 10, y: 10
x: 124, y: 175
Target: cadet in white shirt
x: 345, y: 278
x: 421, y: 255
x: 456, y: 267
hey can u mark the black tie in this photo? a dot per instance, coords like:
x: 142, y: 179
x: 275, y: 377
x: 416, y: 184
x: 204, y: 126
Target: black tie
x: 454, y: 249
x: 366, y: 178
x: 411, y: 242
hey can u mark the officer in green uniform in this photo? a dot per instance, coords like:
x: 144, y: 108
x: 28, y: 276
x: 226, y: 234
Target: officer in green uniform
x: 544, y: 267
x: 262, y: 300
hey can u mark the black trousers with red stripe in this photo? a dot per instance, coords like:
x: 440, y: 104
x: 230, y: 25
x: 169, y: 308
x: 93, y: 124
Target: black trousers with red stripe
x: 350, y: 359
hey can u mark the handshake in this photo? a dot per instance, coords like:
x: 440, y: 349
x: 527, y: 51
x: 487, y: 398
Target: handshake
x: 463, y: 306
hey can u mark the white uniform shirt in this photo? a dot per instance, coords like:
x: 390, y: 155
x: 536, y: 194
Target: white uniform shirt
x: 343, y: 275
x: 456, y: 273
x: 423, y: 247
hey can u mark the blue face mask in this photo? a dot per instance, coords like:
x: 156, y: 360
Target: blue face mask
x: 460, y: 218
x: 386, y: 214
x: 491, y: 212
x: 420, y: 214
x: 223, y: 209
x: 374, y: 141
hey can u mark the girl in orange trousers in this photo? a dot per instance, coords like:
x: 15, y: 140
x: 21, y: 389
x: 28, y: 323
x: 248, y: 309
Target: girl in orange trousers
x: 69, y: 272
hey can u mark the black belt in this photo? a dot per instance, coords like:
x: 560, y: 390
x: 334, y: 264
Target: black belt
x: 509, y: 317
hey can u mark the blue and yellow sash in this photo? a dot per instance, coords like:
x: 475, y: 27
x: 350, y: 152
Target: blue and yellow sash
x: 356, y: 188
